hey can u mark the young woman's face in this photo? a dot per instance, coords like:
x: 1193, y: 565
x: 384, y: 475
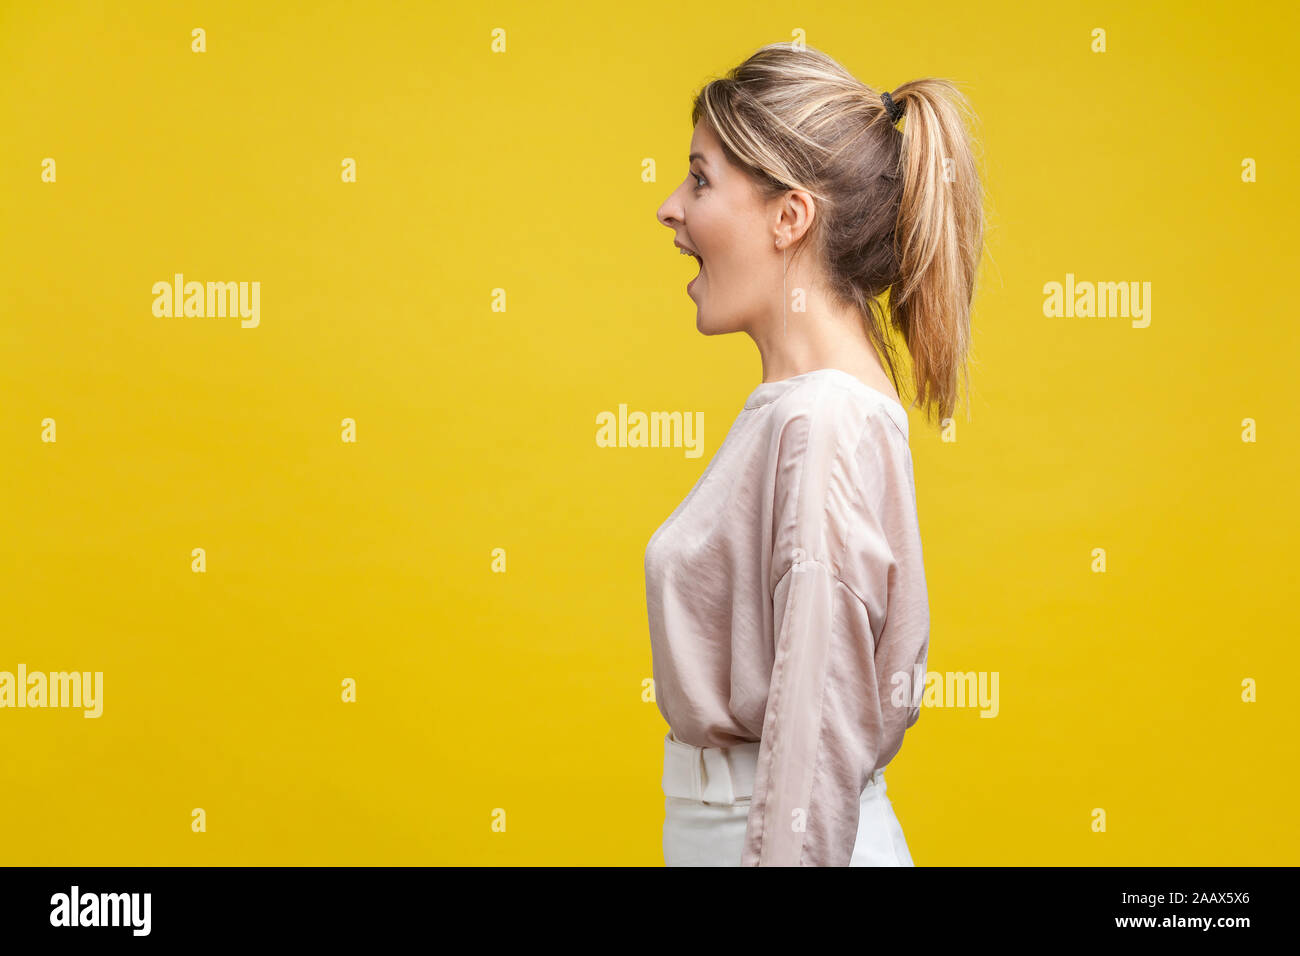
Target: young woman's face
x: 717, y: 213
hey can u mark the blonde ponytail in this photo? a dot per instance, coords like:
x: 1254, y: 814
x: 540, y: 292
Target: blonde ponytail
x: 939, y: 239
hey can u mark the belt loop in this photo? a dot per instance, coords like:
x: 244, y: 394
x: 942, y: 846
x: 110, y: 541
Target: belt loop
x: 717, y: 776
x: 683, y: 769
x: 697, y: 773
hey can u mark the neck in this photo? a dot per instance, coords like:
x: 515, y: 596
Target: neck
x: 825, y: 336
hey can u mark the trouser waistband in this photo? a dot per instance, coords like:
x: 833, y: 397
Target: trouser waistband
x: 710, y: 774
x: 716, y: 774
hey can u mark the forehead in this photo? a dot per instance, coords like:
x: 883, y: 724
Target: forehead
x: 705, y: 141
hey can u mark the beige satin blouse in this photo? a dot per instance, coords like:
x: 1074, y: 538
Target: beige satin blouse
x: 787, y: 604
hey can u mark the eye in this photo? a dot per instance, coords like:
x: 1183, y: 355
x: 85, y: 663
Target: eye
x: 700, y: 181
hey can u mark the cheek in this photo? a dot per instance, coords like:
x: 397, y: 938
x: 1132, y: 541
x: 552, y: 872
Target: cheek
x: 713, y: 232
x: 734, y: 290
x: 734, y: 264
x: 728, y: 245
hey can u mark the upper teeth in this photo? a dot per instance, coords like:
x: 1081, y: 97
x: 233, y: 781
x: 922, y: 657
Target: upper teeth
x: 686, y: 252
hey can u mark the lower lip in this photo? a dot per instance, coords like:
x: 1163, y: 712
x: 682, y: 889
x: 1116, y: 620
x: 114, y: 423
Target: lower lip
x: 691, y: 283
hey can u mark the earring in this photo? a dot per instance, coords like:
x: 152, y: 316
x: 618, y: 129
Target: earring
x: 785, y: 298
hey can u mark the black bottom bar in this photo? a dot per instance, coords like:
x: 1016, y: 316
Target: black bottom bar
x: 336, y: 905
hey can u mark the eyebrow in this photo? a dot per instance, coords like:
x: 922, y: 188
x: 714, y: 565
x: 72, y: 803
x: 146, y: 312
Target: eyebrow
x: 699, y: 156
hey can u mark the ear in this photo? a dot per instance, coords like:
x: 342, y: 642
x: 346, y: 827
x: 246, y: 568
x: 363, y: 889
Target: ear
x: 795, y: 211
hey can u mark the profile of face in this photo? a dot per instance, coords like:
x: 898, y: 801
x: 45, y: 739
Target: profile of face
x: 718, y: 215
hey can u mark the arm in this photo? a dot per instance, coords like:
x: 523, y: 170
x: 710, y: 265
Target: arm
x: 849, y: 613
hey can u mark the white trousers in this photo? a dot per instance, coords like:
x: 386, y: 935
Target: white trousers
x: 707, y: 792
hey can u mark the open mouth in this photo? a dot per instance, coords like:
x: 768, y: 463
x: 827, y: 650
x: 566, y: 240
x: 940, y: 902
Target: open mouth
x: 694, y: 255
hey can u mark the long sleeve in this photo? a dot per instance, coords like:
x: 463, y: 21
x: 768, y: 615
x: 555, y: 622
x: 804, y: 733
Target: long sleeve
x: 850, y: 626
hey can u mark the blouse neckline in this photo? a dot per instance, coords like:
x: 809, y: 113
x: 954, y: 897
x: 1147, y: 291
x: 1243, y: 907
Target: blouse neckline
x: 768, y: 392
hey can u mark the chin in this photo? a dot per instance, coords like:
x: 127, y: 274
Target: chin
x: 710, y: 325
x: 704, y: 326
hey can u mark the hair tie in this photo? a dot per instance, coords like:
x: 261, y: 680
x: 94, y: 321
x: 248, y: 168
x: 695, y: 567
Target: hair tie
x: 892, y: 108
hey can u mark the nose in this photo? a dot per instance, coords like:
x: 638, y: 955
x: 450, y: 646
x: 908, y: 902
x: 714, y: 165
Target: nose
x: 670, y: 213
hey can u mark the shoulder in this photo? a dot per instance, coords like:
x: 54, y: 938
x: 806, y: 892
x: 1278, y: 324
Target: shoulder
x: 842, y: 471
x: 828, y: 418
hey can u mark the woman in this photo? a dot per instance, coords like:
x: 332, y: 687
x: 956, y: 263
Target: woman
x: 787, y: 600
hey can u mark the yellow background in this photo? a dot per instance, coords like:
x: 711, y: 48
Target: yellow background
x: 476, y: 428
